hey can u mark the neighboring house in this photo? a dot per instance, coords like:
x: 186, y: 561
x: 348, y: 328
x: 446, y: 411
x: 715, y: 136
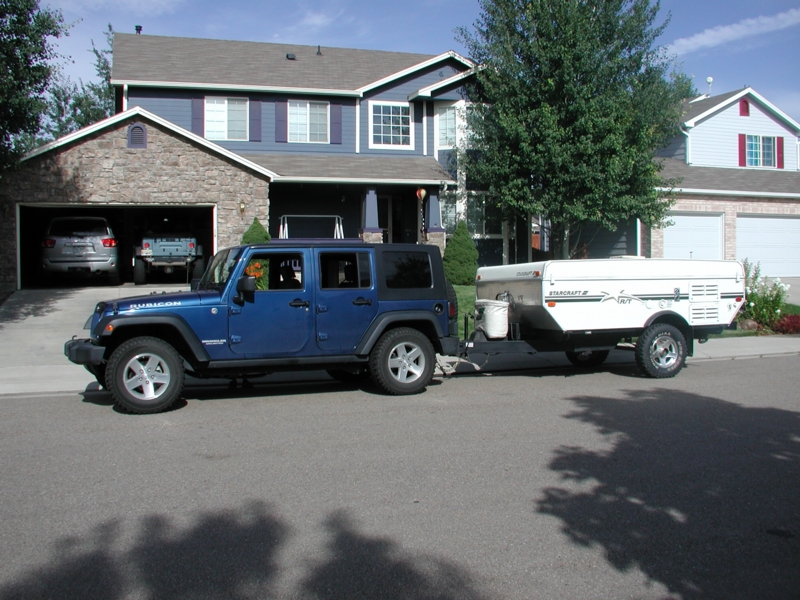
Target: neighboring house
x: 353, y: 143
x: 739, y: 196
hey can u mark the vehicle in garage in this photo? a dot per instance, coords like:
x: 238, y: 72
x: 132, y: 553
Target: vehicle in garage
x: 167, y: 252
x: 80, y: 247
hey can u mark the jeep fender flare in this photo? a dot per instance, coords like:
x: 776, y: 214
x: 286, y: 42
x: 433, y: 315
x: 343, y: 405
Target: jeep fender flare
x: 165, y: 320
x: 388, y: 320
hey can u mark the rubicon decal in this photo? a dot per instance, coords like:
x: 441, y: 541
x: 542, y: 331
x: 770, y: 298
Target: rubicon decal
x: 154, y: 305
x: 621, y: 298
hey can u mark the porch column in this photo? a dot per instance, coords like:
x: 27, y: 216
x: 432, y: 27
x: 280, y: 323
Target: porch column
x: 433, y: 222
x: 370, y: 231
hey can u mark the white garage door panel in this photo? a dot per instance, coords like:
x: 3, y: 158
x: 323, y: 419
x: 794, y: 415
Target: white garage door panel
x: 694, y: 236
x: 772, y: 241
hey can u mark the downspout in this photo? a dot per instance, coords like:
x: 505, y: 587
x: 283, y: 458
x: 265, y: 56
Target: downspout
x: 358, y: 126
x: 124, y: 97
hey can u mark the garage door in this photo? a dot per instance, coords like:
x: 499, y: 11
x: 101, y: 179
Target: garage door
x: 693, y: 236
x: 772, y: 241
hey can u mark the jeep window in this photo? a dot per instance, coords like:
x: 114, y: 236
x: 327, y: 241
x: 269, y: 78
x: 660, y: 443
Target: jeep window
x: 276, y: 271
x: 344, y: 270
x: 406, y: 270
x: 219, y: 271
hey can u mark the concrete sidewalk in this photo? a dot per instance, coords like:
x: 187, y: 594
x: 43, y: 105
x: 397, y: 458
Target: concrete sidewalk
x: 34, y: 324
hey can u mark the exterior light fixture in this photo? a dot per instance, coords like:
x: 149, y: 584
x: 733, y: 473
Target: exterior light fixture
x: 242, y: 207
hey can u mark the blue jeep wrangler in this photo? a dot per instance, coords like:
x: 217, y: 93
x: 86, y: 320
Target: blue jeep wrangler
x: 356, y: 310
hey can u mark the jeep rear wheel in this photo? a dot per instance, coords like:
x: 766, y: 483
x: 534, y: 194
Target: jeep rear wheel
x: 145, y: 375
x: 139, y: 272
x: 402, y: 361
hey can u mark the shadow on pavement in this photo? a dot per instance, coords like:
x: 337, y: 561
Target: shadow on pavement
x: 699, y: 494
x: 232, y: 554
x: 32, y: 303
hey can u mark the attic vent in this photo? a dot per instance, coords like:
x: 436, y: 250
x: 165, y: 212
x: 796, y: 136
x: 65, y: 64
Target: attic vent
x: 290, y: 56
x: 137, y: 136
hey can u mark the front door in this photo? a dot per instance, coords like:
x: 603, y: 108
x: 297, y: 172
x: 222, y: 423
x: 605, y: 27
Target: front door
x: 347, y: 300
x: 277, y: 320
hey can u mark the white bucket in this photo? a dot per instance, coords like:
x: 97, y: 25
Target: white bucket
x: 491, y: 317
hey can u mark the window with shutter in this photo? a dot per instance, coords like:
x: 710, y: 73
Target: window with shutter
x: 226, y: 118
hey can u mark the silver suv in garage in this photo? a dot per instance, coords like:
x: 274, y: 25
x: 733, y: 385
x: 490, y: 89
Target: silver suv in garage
x: 80, y: 246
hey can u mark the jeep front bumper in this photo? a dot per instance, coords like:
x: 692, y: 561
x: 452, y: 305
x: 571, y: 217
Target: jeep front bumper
x: 84, y: 352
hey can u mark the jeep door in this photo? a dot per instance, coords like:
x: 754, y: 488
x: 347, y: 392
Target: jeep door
x: 347, y: 299
x: 276, y: 320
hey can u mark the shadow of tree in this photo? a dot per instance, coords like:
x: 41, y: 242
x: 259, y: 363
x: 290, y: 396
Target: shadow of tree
x: 23, y: 304
x: 374, y: 567
x: 227, y: 554
x: 700, y: 494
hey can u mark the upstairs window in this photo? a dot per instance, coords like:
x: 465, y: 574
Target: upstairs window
x: 447, y: 127
x: 308, y: 121
x: 760, y: 151
x: 226, y: 119
x: 391, y: 125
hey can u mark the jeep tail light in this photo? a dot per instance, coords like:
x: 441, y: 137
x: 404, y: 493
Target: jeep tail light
x: 146, y: 244
x: 109, y: 243
x: 48, y: 243
x: 451, y: 310
x: 191, y: 245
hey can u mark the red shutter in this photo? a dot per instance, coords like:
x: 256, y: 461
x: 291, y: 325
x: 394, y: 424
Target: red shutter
x: 744, y: 108
x: 742, y: 150
x: 780, y: 152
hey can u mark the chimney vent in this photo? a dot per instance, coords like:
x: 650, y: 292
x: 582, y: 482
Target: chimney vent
x: 138, y: 29
x: 290, y: 56
x: 319, y: 51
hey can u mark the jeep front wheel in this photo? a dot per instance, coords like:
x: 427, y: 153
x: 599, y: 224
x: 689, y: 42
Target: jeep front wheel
x: 145, y: 375
x: 402, y: 361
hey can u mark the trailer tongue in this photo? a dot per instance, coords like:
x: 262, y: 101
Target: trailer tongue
x: 587, y: 307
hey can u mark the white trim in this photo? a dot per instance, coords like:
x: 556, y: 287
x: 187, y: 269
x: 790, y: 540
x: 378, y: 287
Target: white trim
x: 139, y: 111
x: 367, y: 180
x: 729, y: 193
x: 426, y: 92
x: 225, y: 87
x: 735, y: 98
x: 410, y: 106
x: 124, y: 98
x: 358, y: 126
x: 687, y: 154
x: 424, y: 64
x: 424, y: 129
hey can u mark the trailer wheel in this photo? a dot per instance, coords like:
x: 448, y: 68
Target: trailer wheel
x: 139, y: 272
x: 145, y: 375
x: 402, y: 361
x: 661, y: 351
x: 588, y: 358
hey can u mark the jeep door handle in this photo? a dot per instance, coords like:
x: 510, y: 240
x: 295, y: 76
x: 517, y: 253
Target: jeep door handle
x: 362, y: 301
x: 297, y: 303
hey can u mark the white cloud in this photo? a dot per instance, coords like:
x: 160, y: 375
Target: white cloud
x: 722, y: 34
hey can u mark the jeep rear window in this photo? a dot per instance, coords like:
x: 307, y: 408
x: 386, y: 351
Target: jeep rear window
x: 406, y: 270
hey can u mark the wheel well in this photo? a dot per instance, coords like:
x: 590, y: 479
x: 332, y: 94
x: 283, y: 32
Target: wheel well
x: 167, y: 333
x: 675, y: 320
x: 425, y: 327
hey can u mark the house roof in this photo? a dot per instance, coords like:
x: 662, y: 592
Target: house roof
x: 764, y: 183
x: 700, y: 109
x: 224, y: 64
x: 294, y: 168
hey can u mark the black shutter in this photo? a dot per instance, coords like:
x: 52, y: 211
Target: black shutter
x: 198, y: 116
x: 282, y: 121
x: 255, y: 120
x: 336, y: 123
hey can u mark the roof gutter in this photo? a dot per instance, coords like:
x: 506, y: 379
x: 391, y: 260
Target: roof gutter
x: 226, y: 87
x: 361, y: 180
x: 706, y: 192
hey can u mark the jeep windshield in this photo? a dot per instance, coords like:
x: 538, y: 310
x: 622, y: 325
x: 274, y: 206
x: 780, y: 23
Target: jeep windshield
x: 219, y: 271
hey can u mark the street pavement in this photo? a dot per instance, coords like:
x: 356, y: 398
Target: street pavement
x: 34, y: 325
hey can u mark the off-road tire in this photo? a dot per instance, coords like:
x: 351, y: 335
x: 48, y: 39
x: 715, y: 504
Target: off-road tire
x: 587, y: 359
x: 402, y: 362
x: 145, y: 375
x: 139, y: 272
x: 362, y: 374
x: 661, y: 351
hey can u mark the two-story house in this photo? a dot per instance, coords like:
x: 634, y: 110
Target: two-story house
x: 313, y: 141
x: 738, y: 160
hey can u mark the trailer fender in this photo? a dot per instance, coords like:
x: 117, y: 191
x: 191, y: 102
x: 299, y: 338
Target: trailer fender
x: 676, y: 320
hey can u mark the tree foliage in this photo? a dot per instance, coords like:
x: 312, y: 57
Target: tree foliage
x: 26, y: 70
x: 256, y: 234
x: 570, y: 103
x: 461, y: 257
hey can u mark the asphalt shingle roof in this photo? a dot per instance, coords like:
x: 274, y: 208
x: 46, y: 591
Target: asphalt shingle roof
x: 775, y: 181
x: 353, y: 168
x: 224, y: 62
x: 694, y: 109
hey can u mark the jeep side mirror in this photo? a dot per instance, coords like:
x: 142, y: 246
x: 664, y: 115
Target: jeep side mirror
x: 244, y: 285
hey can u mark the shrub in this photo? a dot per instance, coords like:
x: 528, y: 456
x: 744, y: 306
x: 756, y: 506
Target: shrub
x: 788, y: 324
x: 461, y: 257
x: 256, y: 234
x: 764, y: 301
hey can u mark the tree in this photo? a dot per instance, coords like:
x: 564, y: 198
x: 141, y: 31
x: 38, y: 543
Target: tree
x: 569, y: 105
x: 256, y: 233
x: 25, y: 72
x: 461, y: 257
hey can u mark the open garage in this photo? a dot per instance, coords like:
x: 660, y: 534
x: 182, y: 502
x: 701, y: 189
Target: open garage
x: 129, y: 224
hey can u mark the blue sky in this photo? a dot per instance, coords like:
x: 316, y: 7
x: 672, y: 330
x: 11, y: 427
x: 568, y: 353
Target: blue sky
x: 737, y: 42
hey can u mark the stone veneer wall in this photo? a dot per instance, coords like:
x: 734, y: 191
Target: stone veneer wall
x: 730, y: 207
x: 101, y: 169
